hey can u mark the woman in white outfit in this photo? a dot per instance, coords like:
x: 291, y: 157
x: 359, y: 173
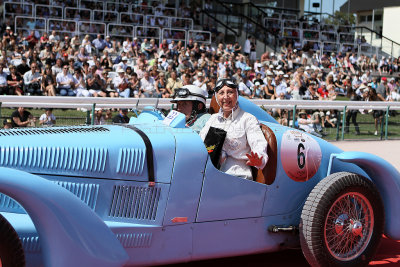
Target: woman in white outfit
x: 244, y: 144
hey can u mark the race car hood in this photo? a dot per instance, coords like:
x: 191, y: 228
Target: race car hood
x: 112, y: 152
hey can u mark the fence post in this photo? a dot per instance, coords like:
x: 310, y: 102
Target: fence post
x: 93, y: 109
x: 338, y: 125
x: 386, y: 122
x: 343, y: 121
x: 294, y: 116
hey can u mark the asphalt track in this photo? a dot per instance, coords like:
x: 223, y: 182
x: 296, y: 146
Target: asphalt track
x: 388, y: 254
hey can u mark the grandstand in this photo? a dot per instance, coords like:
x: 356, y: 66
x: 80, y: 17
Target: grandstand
x: 117, y: 19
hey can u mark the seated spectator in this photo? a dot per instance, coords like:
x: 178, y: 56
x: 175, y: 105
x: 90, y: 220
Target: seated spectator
x: 23, y: 67
x: 48, y: 83
x: 331, y: 118
x: 121, y: 84
x: 174, y: 82
x: 80, y: 83
x: 269, y: 90
x: 258, y: 91
x: 22, y: 118
x: 245, y: 87
x: 280, y: 88
x: 201, y: 82
x: 96, y: 85
x: 15, y: 82
x: 307, y: 124
x: 147, y: 86
x: 323, y: 92
x: 7, y: 124
x: 65, y: 83
x: 122, y: 117
x: 32, y: 80
x: 161, y: 86
x: 57, y: 68
x: 4, y: 89
x: 47, y: 119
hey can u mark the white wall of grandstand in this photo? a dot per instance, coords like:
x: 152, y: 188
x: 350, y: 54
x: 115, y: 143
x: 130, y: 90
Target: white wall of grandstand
x: 117, y: 19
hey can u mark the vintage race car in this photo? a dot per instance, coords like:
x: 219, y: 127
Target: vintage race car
x: 146, y: 193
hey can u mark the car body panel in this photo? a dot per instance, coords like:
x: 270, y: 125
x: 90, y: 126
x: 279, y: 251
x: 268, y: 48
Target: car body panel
x: 192, y: 210
x: 226, y: 197
x: 58, y: 213
x: 187, y: 179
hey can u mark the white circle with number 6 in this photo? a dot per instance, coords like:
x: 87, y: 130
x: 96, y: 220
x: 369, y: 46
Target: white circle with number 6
x: 300, y: 155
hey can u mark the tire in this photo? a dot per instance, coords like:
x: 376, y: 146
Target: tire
x: 11, y: 251
x: 342, y: 221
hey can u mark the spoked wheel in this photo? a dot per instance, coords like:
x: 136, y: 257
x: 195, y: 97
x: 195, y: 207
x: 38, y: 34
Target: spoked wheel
x: 348, y: 226
x: 11, y: 251
x: 342, y: 221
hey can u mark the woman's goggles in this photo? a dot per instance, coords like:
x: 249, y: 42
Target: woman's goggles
x: 221, y: 83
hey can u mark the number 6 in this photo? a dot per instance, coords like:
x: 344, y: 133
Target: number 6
x: 301, y: 158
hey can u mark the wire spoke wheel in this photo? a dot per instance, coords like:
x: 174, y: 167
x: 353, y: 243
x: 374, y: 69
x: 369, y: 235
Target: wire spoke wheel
x: 348, y: 226
x: 342, y: 221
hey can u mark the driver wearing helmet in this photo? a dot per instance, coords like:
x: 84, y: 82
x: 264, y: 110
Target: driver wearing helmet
x: 191, y: 101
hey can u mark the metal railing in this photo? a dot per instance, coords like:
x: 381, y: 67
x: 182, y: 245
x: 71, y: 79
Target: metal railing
x: 91, y: 103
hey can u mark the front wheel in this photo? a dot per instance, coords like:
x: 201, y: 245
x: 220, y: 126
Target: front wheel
x: 342, y: 221
x: 11, y: 251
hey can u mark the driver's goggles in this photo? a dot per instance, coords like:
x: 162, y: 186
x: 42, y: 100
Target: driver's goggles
x: 183, y: 93
x: 221, y: 83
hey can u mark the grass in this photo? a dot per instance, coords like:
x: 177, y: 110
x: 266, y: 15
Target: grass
x: 67, y: 117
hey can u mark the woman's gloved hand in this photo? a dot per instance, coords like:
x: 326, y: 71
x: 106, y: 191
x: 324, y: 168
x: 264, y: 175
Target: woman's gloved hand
x: 254, y: 160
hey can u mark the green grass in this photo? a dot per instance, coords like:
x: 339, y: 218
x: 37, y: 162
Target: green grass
x: 68, y: 117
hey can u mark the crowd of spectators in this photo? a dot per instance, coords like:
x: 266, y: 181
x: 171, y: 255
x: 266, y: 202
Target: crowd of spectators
x: 93, y: 66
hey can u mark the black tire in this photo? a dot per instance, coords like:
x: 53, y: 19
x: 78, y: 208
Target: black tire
x: 342, y: 221
x: 11, y: 251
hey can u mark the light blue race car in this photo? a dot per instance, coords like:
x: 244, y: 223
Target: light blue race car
x: 146, y: 193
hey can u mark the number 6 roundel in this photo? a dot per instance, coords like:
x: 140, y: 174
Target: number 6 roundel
x: 300, y: 155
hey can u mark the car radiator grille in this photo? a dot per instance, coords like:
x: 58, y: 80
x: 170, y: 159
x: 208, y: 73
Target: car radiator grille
x: 131, y: 161
x: 134, y: 202
x: 136, y: 240
x: 55, y: 158
x: 52, y: 130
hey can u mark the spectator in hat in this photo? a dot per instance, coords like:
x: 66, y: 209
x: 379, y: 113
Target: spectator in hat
x: 47, y: 119
x: 121, y: 84
x: 7, y: 36
x: 307, y: 124
x: 201, y: 82
x: 7, y: 124
x: 383, y: 89
x: 122, y: 116
x: 258, y: 91
x: 245, y: 87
